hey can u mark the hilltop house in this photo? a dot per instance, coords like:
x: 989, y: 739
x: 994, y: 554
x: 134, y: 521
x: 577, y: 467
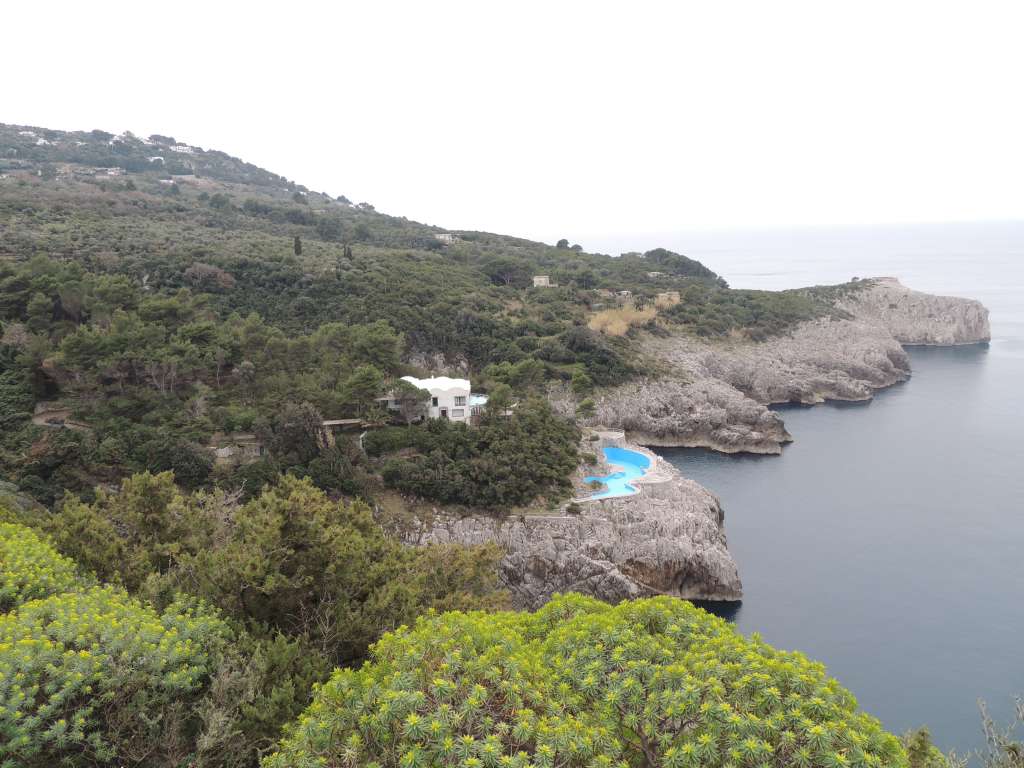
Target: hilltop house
x: 445, y: 237
x: 449, y: 398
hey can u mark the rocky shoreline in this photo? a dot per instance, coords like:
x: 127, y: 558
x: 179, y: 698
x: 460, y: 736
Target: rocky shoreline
x: 718, y: 393
x: 670, y: 538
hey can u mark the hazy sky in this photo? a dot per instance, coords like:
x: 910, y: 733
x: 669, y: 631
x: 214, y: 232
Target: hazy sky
x: 555, y: 119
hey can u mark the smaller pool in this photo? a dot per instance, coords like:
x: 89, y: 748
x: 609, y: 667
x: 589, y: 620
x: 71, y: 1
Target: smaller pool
x: 628, y: 464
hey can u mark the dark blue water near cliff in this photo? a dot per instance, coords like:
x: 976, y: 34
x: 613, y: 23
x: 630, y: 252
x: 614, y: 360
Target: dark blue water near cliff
x: 888, y: 540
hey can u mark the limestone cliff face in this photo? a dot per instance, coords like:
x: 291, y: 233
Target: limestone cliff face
x: 913, y: 317
x: 667, y: 539
x: 718, y: 392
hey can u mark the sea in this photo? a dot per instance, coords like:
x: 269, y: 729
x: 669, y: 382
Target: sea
x: 887, y: 540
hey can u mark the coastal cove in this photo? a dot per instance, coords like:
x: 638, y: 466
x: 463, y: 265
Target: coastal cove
x: 886, y: 540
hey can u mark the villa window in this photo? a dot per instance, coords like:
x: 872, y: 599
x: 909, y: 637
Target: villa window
x: 458, y: 413
x: 433, y: 402
x: 460, y: 399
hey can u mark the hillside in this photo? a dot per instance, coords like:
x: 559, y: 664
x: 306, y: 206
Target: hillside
x: 163, y: 294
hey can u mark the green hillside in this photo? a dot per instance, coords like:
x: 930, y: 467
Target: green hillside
x: 165, y: 294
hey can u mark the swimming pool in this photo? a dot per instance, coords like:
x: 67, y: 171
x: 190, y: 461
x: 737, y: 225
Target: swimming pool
x: 628, y: 464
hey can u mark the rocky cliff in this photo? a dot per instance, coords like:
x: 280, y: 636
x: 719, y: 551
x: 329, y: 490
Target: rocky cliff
x: 913, y: 317
x: 717, y: 393
x: 667, y: 539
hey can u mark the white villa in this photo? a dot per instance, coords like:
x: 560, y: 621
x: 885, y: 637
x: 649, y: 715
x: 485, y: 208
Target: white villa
x: 449, y: 398
x: 542, y: 281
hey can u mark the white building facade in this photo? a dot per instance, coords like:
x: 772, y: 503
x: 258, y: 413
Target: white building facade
x: 449, y: 398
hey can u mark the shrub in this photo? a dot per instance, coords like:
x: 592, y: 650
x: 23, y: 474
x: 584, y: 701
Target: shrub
x: 505, y: 462
x: 95, y: 676
x: 580, y: 683
x: 30, y: 568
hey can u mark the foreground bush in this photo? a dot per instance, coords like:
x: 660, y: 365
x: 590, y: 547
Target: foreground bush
x: 30, y: 568
x: 90, y: 677
x: 580, y: 683
x: 291, y: 560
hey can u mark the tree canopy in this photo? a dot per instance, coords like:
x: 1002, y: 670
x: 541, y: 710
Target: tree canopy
x: 655, y: 683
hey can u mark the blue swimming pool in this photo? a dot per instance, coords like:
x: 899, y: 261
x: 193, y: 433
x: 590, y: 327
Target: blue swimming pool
x: 628, y: 464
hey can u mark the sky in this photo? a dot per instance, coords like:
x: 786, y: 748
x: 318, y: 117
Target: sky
x: 561, y: 119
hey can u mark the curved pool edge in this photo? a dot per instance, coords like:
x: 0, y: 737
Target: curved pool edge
x: 626, y: 477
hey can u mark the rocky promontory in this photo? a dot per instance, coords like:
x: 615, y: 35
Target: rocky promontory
x: 913, y: 317
x: 717, y: 392
x: 668, y: 538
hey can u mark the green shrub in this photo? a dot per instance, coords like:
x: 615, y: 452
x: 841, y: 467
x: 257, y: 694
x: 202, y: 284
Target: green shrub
x: 30, y: 568
x: 92, y: 677
x: 580, y: 683
x: 379, y: 442
x: 708, y: 310
x: 504, y: 462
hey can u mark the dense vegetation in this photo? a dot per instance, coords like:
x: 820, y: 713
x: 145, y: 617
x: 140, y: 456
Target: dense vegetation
x: 757, y: 315
x: 167, y: 294
x: 218, y: 619
x: 504, y: 461
x: 654, y: 683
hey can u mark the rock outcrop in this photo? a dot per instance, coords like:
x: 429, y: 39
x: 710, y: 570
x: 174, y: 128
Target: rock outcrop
x: 718, y: 392
x: 667, y: 539
x: 913, y: 317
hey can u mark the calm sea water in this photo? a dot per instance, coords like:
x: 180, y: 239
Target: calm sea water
x: 888, y: 540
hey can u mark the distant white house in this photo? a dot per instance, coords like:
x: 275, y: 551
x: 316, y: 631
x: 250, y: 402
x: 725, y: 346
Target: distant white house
x: 30, y: 134
x: 541, y: 281
x: 156, y: 159
x: 445, y: 237
x: 41, y: 142
x: 184, y: 149
x: 655, y: 274
x: 449, y: 398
